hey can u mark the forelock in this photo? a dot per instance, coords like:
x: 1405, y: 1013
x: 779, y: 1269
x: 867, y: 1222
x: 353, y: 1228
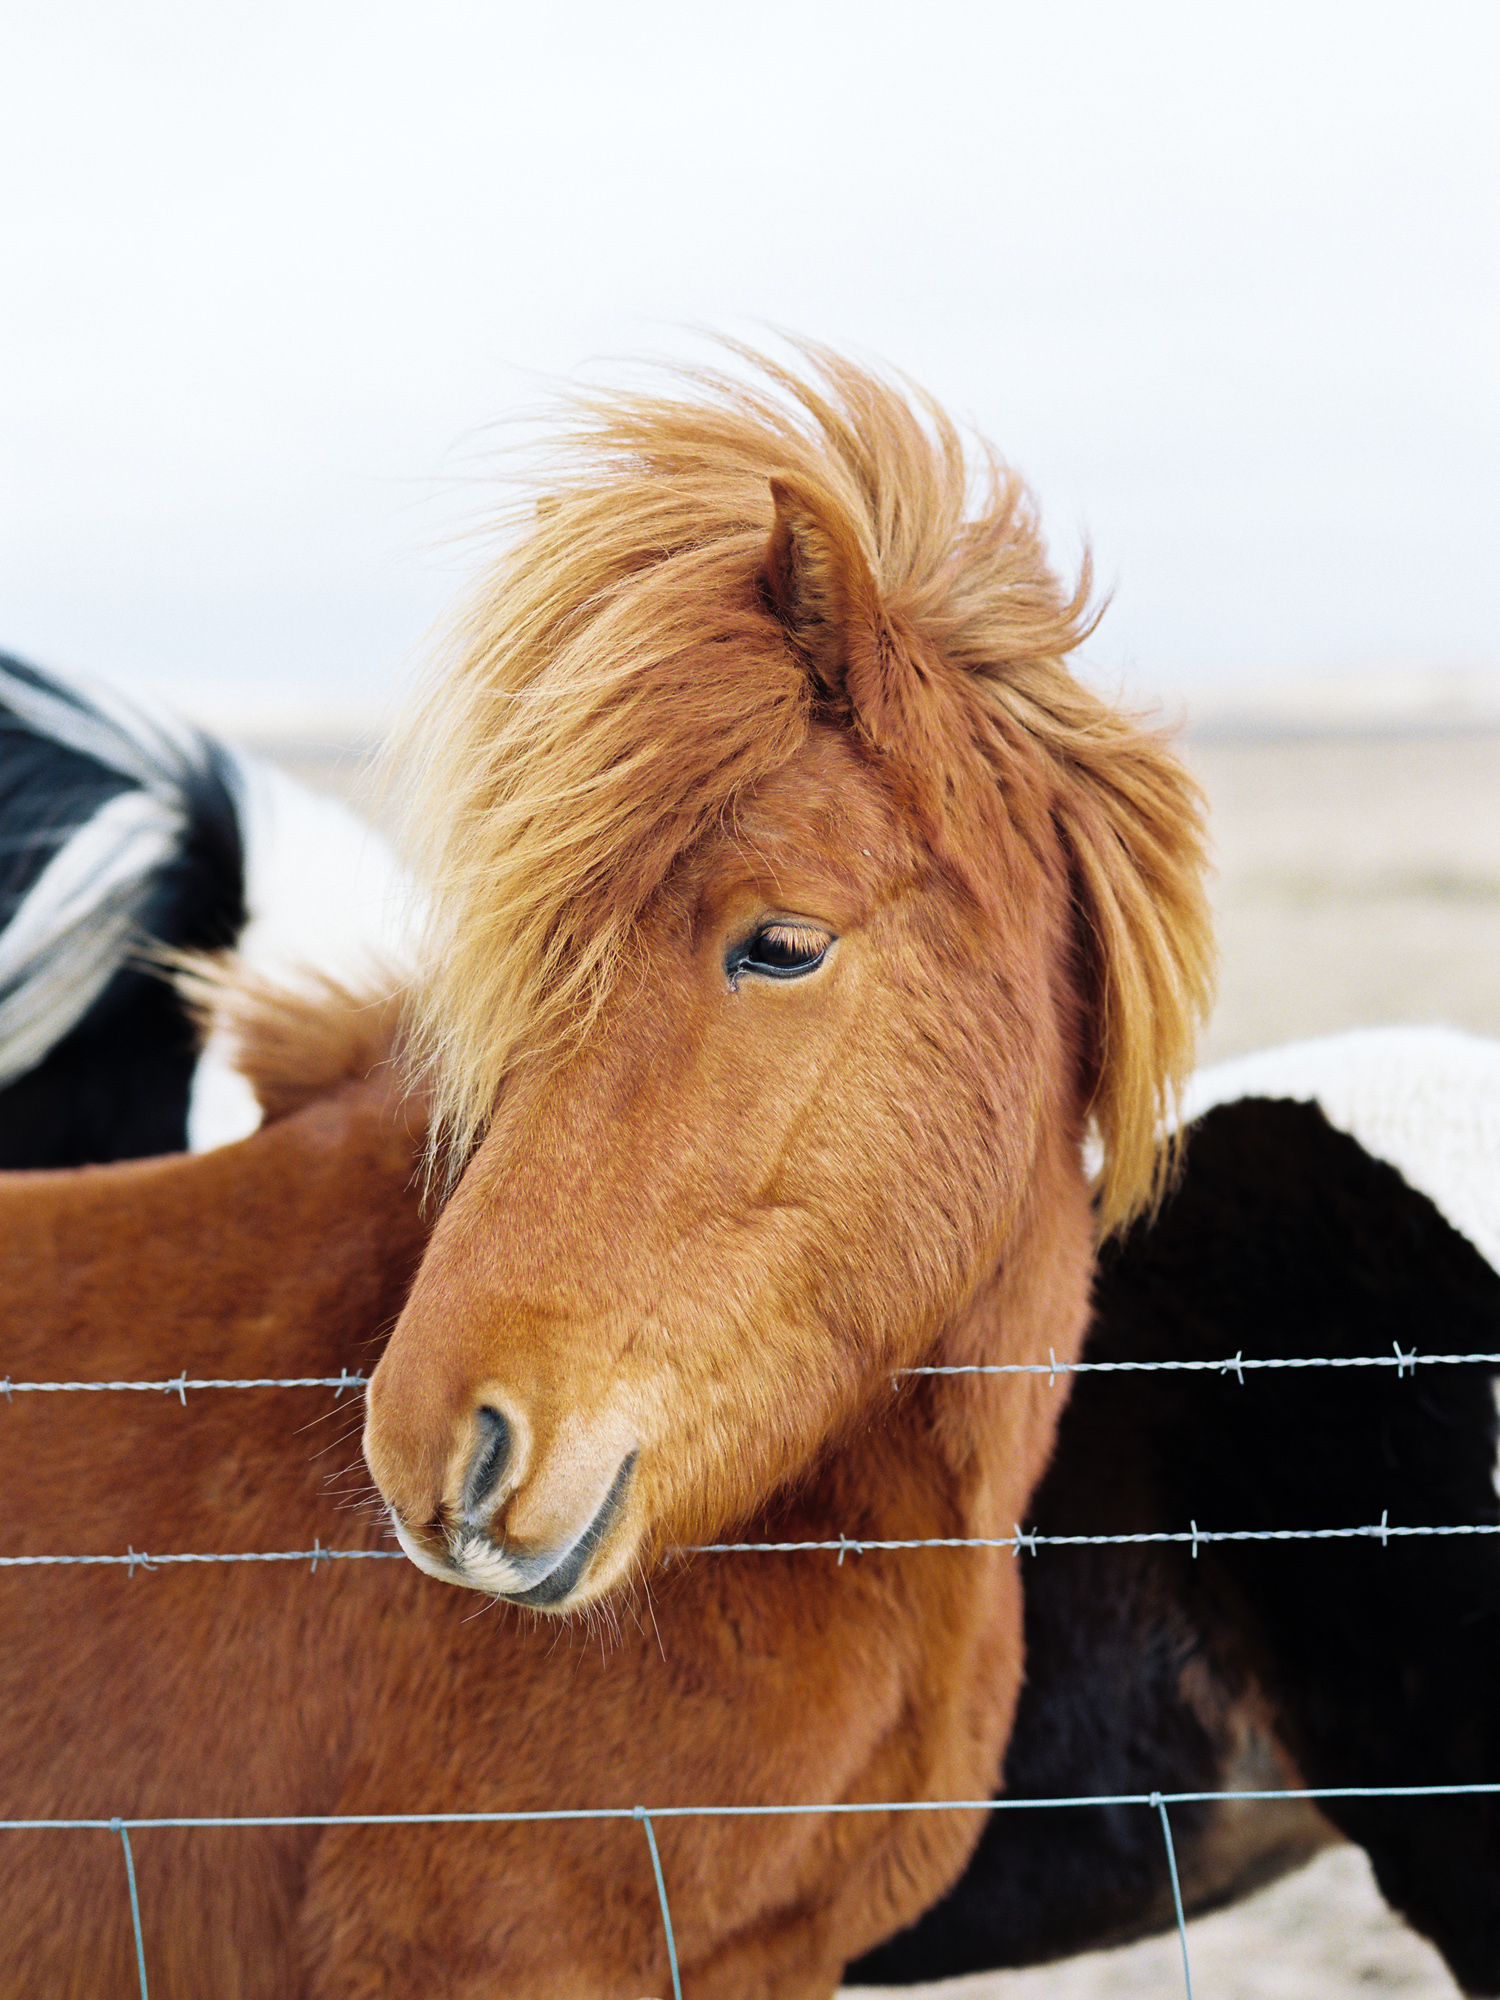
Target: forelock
x: 614, y: 684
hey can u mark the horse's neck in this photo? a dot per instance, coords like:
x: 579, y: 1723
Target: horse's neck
x: 249, y: 1259
x: 960, y: 1454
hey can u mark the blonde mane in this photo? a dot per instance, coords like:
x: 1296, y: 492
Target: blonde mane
x: 608, y: 692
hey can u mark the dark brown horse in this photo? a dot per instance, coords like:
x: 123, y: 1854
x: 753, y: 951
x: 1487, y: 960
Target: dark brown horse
x: 1339, y: 1199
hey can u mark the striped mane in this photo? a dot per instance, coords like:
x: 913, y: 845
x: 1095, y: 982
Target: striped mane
x: 614, y: 685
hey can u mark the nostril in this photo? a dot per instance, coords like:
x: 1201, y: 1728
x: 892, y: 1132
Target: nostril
x: 492, y: 1455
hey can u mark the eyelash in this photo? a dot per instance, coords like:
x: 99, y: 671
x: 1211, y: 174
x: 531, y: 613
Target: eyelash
x: 778, y: 951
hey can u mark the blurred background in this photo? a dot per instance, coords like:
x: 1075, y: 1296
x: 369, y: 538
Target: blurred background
x: 1223, y: 283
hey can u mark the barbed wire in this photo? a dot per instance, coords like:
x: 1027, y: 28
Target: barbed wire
x: 1383, y: 1531
x: 135, y: 1559
x: 1404, y: 1361
x: 178, y: 1385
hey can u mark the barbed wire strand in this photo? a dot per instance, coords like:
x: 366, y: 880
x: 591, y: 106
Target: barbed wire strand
x: 1384, y: 1531
x: 1404, y: 1361
x: 178, y: 1385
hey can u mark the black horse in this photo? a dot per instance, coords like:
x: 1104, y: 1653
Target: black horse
x: 1258, y: 1665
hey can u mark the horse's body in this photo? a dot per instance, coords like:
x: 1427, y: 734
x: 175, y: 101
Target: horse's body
x: 201, y: 1688
x: 1255, y: 1667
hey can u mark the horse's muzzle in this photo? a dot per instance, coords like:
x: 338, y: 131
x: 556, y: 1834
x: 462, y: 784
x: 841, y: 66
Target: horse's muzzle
x: 544, y: 1579
x: 469, y: 1552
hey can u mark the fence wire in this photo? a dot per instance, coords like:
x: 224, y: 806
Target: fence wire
x: 1403, y: 1361
x: 178, y: 1385
x: 1194, y: 1537
x: 1158, y: 1802
x: 1239, y: 1365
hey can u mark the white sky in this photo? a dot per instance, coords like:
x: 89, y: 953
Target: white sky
x: 1223, y: 281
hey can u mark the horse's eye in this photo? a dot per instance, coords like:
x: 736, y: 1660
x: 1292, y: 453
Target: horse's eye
x: 778, y: 951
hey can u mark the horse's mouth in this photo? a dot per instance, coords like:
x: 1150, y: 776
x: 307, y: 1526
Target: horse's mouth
x: 543, y: 1580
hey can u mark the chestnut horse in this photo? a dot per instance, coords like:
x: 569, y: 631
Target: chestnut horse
x: 212, y: 1688
x: 797, y: 913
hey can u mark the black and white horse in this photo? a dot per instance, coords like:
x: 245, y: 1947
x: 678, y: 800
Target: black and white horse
x: 1339, y: 1199
x: 120, y: 832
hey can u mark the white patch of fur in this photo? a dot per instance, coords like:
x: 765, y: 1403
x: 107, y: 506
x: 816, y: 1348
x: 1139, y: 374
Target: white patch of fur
x: 324, y: 889
x: 480, y: 1565
x: 75, y: 926
x: 1427, y: 1100
x: 325, y: 894
x: 122, y: 737
x: 222, y: 1107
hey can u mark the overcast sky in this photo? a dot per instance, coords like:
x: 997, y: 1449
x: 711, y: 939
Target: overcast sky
x: 1224, y: 282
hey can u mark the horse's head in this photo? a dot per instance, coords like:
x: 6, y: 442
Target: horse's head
x: 797, y: 912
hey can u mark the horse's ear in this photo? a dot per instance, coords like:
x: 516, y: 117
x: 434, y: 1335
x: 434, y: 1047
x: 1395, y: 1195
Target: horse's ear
x: 818, y: 583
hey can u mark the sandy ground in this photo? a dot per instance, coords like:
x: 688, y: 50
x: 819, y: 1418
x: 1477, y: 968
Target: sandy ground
x: 1359, y: 884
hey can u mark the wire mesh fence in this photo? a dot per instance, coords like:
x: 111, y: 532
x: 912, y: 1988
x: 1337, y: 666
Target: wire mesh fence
x: 1157, y: 1802
x: 1404, y: 1362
